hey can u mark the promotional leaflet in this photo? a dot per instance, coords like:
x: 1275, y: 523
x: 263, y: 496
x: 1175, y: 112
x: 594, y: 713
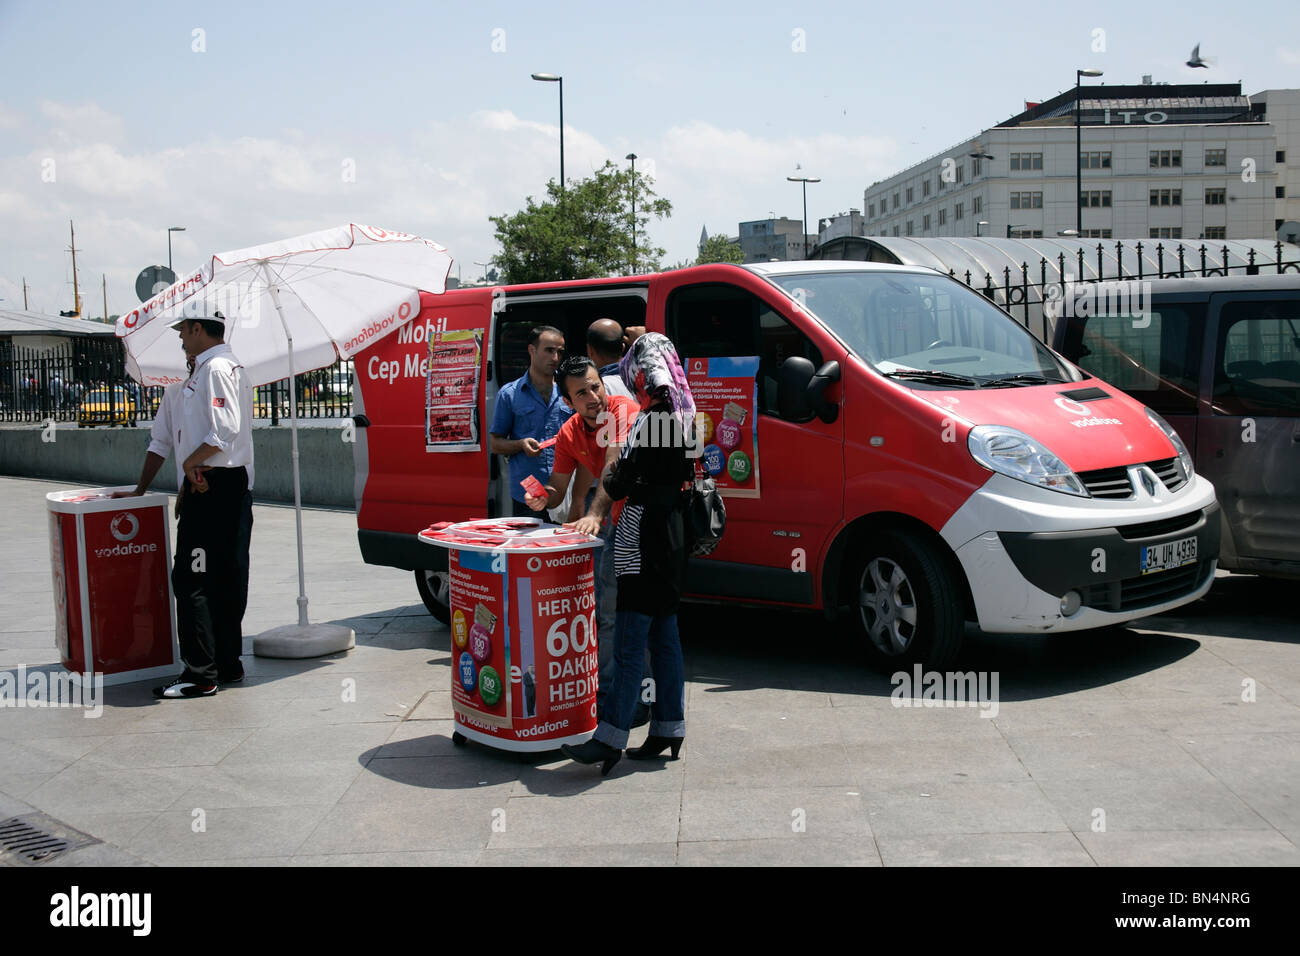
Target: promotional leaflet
x: 451, y: 391
x: 726, y: 420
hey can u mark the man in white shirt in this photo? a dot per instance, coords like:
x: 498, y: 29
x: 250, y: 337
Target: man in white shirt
x: 213, y: 442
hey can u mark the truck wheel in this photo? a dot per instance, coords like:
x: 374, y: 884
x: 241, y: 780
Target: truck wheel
x: 435, y: 591
x: 909, y: 608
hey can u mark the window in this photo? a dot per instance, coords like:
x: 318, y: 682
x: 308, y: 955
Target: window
x: 1216, y: 232
x: 1026, y: 161
x: 975, y: 166
x: 1165, y: 232
x: 1216, y: 157
x: 1032, y: 200
x: 959, y: 211
x: 1216, y: 197
x: 909, y: 227
x: 1026, y: 234
x: 1257, y: 362
x: 1097, y: 234
x: 909, y: 195
x: 707, y: 321
x: 925, y: 187
x: 1094, y: 160
x: 977, y: 205
x: 871, y: 211
x: 925, y: 223
x: 1280, y: 156
x: 961, y: 174
x: 1166, y: 158
x: 1166, y: 197
x: 943, y: 216
x: 895, y: 230
x: 1095, y: 198
x: 1158, y: 363
x: 895, y: 206
x: 1279, y: 192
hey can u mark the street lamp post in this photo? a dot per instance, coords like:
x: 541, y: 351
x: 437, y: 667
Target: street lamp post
x: 1078, y: 150
x: 632, y: 157
x: 977, y: 227
x: 1014, y: 225
x: 552, y: 78
x: 170, y: 230
x: 805, y: 180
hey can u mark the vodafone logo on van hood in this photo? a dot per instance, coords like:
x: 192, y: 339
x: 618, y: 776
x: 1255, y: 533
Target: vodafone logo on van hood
x: 1105, y: 433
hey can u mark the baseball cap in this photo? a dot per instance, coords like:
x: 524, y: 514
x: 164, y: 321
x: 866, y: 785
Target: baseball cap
x: 214, y: 317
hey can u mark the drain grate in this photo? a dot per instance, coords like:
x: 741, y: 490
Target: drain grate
x: 37, y: 838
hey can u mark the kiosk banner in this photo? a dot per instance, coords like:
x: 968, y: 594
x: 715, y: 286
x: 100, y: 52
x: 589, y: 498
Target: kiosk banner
x: 726, y: 403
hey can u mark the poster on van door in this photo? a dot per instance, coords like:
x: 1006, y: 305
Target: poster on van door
x: 451, y: 420
x: 726, y: 402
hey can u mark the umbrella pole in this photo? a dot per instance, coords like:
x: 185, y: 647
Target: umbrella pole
x: 293, y: 430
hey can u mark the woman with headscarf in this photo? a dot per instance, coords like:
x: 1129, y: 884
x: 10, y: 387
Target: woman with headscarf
x: 650, y: 551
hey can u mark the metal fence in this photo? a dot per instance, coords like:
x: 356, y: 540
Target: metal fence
x: 85, y: 381
x: 1023, y: 297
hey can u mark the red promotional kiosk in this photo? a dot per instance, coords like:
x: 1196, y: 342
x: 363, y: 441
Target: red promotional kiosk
x: 111, y: 560
x: 523, y: 632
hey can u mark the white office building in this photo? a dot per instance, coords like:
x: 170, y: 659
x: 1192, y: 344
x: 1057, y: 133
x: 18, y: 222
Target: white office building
x: 1158, y: 162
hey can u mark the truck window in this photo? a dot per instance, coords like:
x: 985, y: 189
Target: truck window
x: 1158, y: 364
x: 1257, y: 359
x: 709, y: 321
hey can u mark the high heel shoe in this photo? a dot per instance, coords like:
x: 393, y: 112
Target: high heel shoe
x: 593, y: 751
x: 654, y: 746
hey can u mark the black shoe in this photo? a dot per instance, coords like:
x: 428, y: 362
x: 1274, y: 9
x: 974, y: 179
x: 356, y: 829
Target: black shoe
x: 593, y: 751
x: 231, y: 677
x: 184, y: 687
x: 654, y: 746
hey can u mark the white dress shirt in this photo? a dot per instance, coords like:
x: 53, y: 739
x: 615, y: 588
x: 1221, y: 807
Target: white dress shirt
x: 216, y: 409
x: 166, y: 429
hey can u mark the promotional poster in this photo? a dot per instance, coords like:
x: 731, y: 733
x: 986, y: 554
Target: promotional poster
x: 725, y: 414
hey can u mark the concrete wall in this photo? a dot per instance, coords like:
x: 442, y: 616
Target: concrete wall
x: 113, y: 456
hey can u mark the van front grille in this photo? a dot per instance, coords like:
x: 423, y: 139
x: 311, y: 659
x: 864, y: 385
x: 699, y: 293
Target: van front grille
x: 1107, y: 483
x: 1146, y: 590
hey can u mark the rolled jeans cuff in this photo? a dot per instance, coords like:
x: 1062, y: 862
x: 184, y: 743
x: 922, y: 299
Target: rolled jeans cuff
x: 607, y: 733
x: 667, y: 728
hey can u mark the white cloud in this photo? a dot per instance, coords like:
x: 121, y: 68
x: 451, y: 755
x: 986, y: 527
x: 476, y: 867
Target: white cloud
x: 1290, y: 57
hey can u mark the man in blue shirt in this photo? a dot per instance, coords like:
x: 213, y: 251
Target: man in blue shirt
x: 529, y: 411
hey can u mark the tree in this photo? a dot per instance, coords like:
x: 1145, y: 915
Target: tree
x: 719, y: 249
x: 583, y: 232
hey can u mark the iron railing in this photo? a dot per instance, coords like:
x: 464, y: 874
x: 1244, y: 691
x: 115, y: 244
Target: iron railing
x: 85, y: 381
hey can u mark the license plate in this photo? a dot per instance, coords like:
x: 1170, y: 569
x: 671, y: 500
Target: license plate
x: 1172, y: 554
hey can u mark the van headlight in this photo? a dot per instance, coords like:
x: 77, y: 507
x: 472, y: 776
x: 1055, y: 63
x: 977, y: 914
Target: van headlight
x: 1184, y: 455
x: 1014, y: 454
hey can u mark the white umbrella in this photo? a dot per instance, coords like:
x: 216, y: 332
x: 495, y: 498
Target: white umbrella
x: 291, y: 306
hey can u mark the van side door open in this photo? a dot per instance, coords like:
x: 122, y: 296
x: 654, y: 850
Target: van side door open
x: 1248, y: 443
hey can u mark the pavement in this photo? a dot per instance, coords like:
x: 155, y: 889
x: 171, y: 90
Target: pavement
x: 1173, y: 741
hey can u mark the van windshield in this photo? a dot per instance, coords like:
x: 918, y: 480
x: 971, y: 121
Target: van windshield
x: 904, y: 323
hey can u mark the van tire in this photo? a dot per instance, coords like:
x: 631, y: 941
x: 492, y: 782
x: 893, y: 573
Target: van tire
x: 922, y: 610
x: 435, y: 592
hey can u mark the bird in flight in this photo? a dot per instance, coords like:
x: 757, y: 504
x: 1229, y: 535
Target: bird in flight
x: 1197, y: 60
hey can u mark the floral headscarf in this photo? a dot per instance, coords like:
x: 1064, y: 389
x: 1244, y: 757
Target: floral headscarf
x: 652, y: 370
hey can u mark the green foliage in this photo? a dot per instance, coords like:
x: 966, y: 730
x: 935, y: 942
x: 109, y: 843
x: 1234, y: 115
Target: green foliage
x: 583, y: 232
x: 718, y: 249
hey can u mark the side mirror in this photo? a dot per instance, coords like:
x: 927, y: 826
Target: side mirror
x: 792, y: 380
x: 821, y: 380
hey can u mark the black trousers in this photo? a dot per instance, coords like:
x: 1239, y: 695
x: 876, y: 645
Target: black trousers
x: 210, y: 573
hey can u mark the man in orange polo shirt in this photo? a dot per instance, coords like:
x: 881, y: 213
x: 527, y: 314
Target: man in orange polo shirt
x: 587, y: 442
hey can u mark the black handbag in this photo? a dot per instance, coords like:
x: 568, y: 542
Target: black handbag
x: 706, y: 515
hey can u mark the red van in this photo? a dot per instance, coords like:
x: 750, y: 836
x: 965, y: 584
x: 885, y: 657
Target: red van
x: 913, y: 454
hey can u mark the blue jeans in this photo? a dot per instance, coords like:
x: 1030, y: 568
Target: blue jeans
x: 633, y: 632
x: 606, y: 609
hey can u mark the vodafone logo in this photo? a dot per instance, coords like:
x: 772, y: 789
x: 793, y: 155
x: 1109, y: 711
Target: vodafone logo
x: 124, y: 527
x: 1071, y: 407
x: 534, y: 564
x: 699, y: 365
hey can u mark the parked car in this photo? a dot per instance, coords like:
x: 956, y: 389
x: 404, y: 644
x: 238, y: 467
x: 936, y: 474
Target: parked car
x: 98, y: 408
x: 1219, y: 358
x: 920, y: 459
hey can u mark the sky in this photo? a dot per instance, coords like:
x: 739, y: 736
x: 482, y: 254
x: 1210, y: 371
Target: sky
x: 250, y: 122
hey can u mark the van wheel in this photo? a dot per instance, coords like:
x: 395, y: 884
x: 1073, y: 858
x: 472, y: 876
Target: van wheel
x: 435, y: 591
x: 909, y: 608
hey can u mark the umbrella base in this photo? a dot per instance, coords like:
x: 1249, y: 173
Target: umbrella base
x: 295, y: 641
